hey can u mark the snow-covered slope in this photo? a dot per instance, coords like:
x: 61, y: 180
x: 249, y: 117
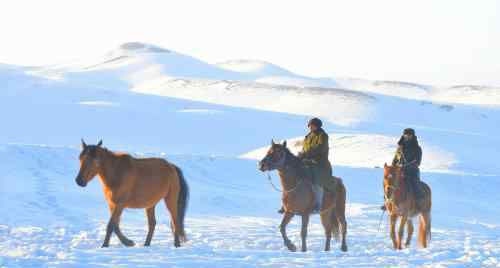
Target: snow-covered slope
x: 214, y: 121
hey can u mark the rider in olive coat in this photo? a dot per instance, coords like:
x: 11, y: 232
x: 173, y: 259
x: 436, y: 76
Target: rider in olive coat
x: 315, y: 155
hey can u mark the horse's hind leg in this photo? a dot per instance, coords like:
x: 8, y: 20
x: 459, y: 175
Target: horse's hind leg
x: 326, y: 221
x: 410, y: 232
x: 171, y: 202
x: 424, y: 229
x: 150, y: 212
x: 303, y: 231
x: 287, y: 217
x: 340, y: 218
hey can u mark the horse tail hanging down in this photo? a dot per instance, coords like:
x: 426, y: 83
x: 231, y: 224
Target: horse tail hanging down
x: 335, y: 226
x: 182, y: 203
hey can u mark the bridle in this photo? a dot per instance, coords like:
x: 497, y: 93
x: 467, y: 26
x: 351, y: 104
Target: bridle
x: 396, y: 187
x: 281, y: 163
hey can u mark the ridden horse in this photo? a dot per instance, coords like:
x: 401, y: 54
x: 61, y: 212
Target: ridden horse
x: 130, y: 182
x: 298, y: 197
x: 400, y: 202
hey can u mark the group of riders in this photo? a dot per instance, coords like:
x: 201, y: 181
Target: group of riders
x: 315, y: 153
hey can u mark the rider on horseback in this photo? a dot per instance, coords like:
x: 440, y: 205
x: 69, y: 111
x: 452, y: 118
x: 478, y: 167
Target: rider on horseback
x: 314, y: 155
x: 409, y: 157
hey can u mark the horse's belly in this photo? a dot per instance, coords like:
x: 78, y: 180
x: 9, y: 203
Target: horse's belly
x: 144, y: 202
x: 146, y: 197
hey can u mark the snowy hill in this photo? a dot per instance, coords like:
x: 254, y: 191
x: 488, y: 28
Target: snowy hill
x: 215, y: 121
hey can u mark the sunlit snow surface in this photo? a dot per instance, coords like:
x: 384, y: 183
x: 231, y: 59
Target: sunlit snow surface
x: 215, y: 122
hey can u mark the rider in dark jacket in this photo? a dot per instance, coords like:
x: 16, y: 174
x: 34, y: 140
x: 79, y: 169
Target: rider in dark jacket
x: 409, y: 156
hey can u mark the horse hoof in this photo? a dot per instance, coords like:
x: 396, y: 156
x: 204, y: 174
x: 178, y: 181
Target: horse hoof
x: 304, y: 249
x: 177, y: 244
x: 292, y: 247
x: 344, y: 248
x: 105, y: 245
x: 129, y: 243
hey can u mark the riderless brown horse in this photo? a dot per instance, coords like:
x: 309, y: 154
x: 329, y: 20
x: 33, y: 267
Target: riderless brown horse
x: 400, y: 202
x: 129, y: 182
x: 299, y: 199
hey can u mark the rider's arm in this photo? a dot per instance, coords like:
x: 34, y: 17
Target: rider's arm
x: 397, y: 156
x: 419, y: 156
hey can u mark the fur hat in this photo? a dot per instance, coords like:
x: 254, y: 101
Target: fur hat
x: 316, y: 122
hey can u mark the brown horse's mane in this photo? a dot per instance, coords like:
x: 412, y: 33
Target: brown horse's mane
x: 294, y: 162
x: 124, y: 155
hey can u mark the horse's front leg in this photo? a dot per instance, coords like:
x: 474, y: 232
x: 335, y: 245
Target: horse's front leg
x: 392, y: 220
x: 410, y: 233
x: 303, y: 231
x: 286, y: 219
x: 114, y: 226
x: 401, y: 232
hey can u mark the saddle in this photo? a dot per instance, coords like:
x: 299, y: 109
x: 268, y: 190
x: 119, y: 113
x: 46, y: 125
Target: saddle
x: 319, y: 194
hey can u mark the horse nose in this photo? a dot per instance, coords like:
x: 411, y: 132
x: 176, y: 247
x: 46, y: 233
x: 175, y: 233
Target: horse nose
x: 261, y: 166
x: 80, y: 182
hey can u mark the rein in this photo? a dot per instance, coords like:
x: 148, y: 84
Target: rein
x: 283, y: 191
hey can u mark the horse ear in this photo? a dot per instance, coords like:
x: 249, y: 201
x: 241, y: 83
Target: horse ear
x: 284, y: 143
x: 272, y: 142
x: 99, y: 144
x: 385, y: 165
x: 84, y: 145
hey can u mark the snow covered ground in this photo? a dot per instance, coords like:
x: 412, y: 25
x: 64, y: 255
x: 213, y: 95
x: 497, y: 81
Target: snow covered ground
x: 214, y: 121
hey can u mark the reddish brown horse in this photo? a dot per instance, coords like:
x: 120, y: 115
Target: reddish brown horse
x: 400, y: 202
x: 299, y: 199
x: 129, y: 182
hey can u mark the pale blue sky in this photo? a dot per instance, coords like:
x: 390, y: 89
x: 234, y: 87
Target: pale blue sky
x: 426, y: 41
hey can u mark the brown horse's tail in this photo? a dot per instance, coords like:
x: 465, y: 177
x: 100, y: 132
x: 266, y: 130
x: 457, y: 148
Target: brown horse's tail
x: 338, y: 211
x: 182, y: 203
x: 335, y: 226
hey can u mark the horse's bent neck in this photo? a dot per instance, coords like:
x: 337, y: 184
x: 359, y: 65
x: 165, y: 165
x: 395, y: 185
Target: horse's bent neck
x: 400, y: 193
x: 290, y: 173
x: 107, y: 168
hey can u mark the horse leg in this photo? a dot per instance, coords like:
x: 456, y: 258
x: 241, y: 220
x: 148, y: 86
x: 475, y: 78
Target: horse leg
x: 424, y: 229
x: 113, y: 226
x: 393, y: 218
x: 401, y: 232
x: 326, y: 221
x: 340, y: 218
x: 116, y: 229
x: 287, y: 217
x: 303, y: 231
x: 171, y: 202
x: 410, y: 232
x: 150, y: 212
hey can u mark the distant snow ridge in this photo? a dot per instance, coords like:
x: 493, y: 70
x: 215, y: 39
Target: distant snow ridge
x: 136, y: 48
x: 255, y: 67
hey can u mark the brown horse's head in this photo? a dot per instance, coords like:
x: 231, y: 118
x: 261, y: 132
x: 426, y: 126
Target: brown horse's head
x: 392, y: 181
x: 275, y: 157
x: 89, y: 163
